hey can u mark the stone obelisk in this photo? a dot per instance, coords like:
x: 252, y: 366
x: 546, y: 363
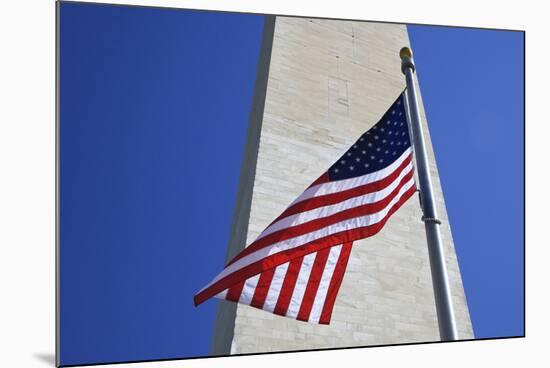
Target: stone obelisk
x: 320, y: 85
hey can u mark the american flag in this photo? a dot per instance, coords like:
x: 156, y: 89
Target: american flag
x: 296, y: 265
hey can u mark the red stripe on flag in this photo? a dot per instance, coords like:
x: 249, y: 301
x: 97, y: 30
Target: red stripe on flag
x: 313, y: 284
x: 294, y: 231
x: 262, y: 288
x: 234, y: 292
x: 282, y: 257
x: 335, y: 283
x: 328, y: 199
x: 325, y: 200
x: 288, y: 286
x: 325, y: 178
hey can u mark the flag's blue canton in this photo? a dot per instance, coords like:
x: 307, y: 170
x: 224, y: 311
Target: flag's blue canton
x: 377, y: 148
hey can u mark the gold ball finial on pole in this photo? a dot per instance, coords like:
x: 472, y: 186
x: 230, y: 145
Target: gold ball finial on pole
x: 407, y: 60
x: 405, y: 52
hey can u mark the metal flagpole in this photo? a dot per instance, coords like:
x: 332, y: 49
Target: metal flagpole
x: 442, y: 292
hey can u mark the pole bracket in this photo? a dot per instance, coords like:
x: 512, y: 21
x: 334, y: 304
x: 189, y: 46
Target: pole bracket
x: 431, y: 220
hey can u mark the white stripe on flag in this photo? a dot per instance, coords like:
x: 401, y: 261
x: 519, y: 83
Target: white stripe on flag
x: 345, y: 184
x: 275, y: 287
x: 326, y: 211
x: 281, y: 246
x: 248, y: 289
x: 221, y: 295
x: 301, y: 284
x: 321, y: 295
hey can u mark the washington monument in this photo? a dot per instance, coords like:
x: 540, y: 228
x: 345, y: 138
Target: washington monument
x: 321, y: 84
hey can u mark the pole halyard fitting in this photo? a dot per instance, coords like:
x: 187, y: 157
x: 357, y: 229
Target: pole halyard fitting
x: 431, y: 220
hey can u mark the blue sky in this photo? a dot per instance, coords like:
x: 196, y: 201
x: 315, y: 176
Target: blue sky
x: 154, y: 108
x: 472, y: 85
